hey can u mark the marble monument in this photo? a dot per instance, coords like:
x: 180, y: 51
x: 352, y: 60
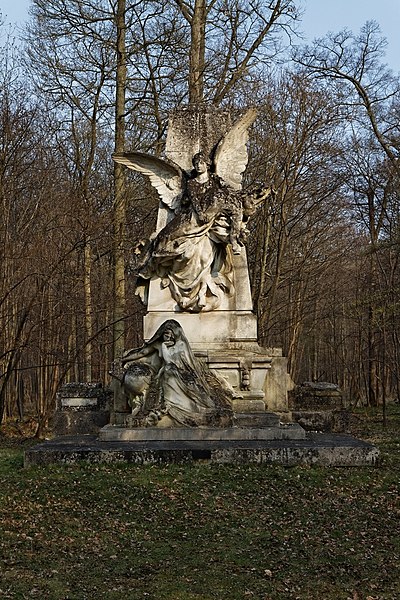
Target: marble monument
x: 193, y: 277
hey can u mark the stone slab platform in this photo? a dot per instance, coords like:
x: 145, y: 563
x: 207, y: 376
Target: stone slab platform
x: 113, y: 433
x: 316, y: 449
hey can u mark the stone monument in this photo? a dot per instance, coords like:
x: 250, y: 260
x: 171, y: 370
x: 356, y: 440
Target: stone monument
x: 200, y: 387
x: 193, y: 275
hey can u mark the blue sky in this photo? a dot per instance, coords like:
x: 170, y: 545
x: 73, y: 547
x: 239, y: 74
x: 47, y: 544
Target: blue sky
x: 320, y: 16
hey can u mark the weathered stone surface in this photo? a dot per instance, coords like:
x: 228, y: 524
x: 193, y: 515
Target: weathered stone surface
x: 79, y: 389
x: 276, y: 385
x: 83, y: 396
x: 209, y: 330
x: 316, y: 396
x: 192, y: 129
x: 339, y: 421
x: 256, y: 419
x: 313, y: 420
x: 249, y: 403
x: 325, y: 450
x: 79, y: 422
x: 151, y: 434
x: 81, y: 408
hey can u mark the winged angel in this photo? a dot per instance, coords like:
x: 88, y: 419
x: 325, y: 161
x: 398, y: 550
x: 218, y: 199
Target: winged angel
x: 192, y: 254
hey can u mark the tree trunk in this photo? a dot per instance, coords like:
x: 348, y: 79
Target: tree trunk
x: 87, y: 262
x: 119, y: 183
x: 197, y: 52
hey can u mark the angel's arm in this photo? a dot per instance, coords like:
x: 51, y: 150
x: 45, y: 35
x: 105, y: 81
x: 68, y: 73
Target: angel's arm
x: 135, y: 353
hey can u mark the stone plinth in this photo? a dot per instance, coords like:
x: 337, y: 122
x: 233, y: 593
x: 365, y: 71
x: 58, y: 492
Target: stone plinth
x: 318, y: 406
x: 318, y: 395
x: 324, y: 450
x: 249, y: 402
x: 81, y: 408
x: 111, y: 433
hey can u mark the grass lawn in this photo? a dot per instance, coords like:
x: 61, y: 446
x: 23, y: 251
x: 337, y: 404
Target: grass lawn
x: 202, y: 532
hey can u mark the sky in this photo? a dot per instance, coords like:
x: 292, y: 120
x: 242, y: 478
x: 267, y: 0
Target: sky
x: 320, y: 16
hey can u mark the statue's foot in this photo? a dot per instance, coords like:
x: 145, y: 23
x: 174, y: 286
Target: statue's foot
x: 166, y: 421
x: 164, y: 283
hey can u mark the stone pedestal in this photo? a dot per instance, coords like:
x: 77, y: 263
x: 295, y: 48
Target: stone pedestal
x: 81, y: 408
x: 226, y: 337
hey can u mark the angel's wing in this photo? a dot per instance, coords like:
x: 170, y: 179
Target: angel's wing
x: 165, y: 176
x: 231, y: 158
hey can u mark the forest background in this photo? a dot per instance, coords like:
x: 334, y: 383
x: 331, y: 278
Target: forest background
x: 94, y: 76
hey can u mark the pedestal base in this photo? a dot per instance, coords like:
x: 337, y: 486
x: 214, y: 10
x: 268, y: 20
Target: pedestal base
x: 324, y: 450
x: 111, y: 433
x: 251, y: 402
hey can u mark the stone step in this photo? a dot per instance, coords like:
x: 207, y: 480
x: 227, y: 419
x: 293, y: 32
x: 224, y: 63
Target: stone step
x: 113, y: 433
x: 256, y: 419
x: 325, y: 450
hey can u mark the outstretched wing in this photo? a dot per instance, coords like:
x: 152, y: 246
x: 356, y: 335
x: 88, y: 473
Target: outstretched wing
x: 165, y: 176
x: 231, y: 157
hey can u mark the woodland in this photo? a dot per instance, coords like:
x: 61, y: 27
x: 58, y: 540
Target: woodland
x: 85, y: 78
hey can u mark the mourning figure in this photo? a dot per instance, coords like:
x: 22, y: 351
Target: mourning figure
x: 187, y: 393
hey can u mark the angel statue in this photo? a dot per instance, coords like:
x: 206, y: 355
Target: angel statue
x: 208, y: 213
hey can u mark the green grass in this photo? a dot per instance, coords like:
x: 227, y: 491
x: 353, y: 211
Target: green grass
x: 202, y: 532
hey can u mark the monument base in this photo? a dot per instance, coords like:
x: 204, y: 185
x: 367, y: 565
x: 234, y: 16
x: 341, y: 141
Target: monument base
x: 249, y: 402
x: 112, y: 433
x: 315, y: 449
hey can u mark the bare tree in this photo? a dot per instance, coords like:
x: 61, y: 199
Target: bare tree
x: 367, y: 94
x: 366, y: 89
x: 297, y: 146
x: 229, y: 39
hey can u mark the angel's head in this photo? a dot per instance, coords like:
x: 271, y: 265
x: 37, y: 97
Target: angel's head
x: 200, y: 163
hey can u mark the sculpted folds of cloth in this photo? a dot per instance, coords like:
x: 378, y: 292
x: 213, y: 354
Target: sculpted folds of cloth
x: 208, y: 212
x: 188, y: 394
